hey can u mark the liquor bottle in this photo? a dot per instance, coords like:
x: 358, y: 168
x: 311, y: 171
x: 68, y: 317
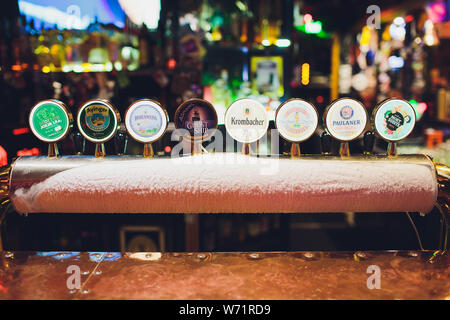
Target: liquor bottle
x: 143, y: 46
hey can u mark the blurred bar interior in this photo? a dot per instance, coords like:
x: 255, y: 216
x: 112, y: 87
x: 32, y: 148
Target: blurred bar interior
x: 270, y: 51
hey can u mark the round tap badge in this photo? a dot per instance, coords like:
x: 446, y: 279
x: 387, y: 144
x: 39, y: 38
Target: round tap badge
x: 296, y: 120
x: 345, y: 119
x: 146, y: 121
x: 393, y: 119
x: 98, y: 121
x: 50, y: 120
x: 246, y: 120
x: 198, y: 117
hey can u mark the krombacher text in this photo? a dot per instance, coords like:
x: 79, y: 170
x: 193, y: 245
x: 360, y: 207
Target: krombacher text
x: 246, y: 122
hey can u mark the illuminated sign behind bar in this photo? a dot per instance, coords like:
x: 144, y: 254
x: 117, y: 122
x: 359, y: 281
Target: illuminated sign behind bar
x: 69, y: 14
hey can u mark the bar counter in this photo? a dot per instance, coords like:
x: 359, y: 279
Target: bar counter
x: 209, y: 276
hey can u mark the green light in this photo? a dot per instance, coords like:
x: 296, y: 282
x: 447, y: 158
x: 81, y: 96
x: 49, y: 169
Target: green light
x: 413, y: 102
x: 314, y: 27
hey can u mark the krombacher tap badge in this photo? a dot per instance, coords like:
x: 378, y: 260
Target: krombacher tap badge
x: 98, y: 121
x: 345, y: 119
x: 246, y: 121
x: 199, y: 118
x: 50, y: 121
x: 393, y: 120
x: 146, y: 122
x: 296, y: 121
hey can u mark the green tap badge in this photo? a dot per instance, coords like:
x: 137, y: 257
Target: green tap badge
x: 98, y: 121
x: 50, y: 120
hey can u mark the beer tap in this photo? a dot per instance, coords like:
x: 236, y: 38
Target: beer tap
x: 292, y: 115
x: 393, y: 120
x: 326, y: 142
x: 345, y: 119
x: 120, y: 142
x: 50, y: 121
x: 98, y: 122
x: 79, y: 142
x: 146, y: 121
x: 196, y: 121
x: 369, y: 140
x: 246, y: 121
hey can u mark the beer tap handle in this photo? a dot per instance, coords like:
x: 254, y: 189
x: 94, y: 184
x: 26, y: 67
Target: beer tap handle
x: 369, y: 141
x: 326, y: 141
x: 79, y: 142
x: 120, y: 142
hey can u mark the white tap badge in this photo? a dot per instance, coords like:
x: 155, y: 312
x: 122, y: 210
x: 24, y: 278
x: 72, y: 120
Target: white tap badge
x: 296, y: 120
x: 345, y: 119
x: 146, y: 121
x: 246, y: 120
x: 394, y: 119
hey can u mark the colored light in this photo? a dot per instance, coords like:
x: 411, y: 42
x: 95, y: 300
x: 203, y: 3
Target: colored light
x: 28, y: 152
x: 20, y: 131
x: 422, y: 107
x: 399, y: 21
x: 313, y: 27
x: 409, y: 18
x: 167, y: 149
x: 397, y: 32
x: 140, y: 12
x: 283, y: 43
x: 365, y: 36
x: 118, y: 65
x: 3, y: 157
x: 307, y: 18
x: 66, y: 68
x: 305, y: 74
x: 45, y: 69
x: 171, y: 64
x: 419, y: 108
x: 319, y: 99
x: 395, y: 62
x: 207, y: 93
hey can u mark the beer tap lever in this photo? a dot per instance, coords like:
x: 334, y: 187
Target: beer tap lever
x: 120, y: 143
x: 325, y: 142
x: 79, y: 142
x: 369, y: 140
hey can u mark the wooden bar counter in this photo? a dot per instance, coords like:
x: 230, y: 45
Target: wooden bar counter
x: 235, y: 276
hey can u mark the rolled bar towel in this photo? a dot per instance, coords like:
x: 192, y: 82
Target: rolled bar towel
x: 231, y: 183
